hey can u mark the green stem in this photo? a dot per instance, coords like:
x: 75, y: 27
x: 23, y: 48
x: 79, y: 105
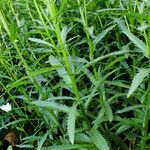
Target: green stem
x: 65, y: 52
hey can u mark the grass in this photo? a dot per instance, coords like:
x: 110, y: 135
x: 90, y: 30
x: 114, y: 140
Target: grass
x: 76, y: 74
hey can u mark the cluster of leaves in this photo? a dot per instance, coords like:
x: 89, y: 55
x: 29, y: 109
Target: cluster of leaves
x: 76, y: 73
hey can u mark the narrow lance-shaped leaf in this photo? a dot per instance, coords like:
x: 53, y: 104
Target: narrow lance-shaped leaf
x: 36, y: 40
x: 102, y: 34
x: 13, y: 31
x: 71, y: 123
x: 42, y: 140
x: 123, y: 128
x: 4, y: 23
x: 126, y: 109
x: 138, y: 43
x: 51, y: 105
x: 64, y: 34
x: 138, y: 78
x: 61, y: 71
x: 108, y: 111
x: 99, y: 140
x: 68, y: 147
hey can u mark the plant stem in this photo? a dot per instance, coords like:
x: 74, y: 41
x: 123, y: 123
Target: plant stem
x: 65, y: 52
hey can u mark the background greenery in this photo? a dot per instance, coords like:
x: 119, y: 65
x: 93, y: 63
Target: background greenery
x: 76, y: 73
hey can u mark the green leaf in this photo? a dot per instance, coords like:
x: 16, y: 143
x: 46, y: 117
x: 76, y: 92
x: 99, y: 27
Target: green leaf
x: 82, y: 137
x: 4, y: 22
x: 13, y: 123
x: 64, y: 34
x: 138, y: 78
x: 138, y: 43
x: 43, y: 70
x: 102, y: 34
x: 108, y: 111
x: 117, y: 140
x: 17, y: 83
x: 36, y: 40
x: 61, y: 98
x: 71, y: 123
x: 61, y: 71
x: 117, y: 83
x: 13, y: 31
x: 129, y: 108
x: 25, y: 146
x: 96, y: 60
x: 90, y: 96
x: 109, y: 65
x: 99, y: 140
x: 67, y: 147
x: 51, y: 105
x: 123, y: 128
x: 100, y: 117
x: 42, y: 140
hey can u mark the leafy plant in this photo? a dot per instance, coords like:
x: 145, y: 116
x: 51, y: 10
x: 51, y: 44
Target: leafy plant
x: 75, y: 73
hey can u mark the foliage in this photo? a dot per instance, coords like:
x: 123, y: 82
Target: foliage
x: 76, y: 73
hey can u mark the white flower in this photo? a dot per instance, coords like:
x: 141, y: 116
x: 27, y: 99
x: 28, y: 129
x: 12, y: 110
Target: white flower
x: 6, y: 107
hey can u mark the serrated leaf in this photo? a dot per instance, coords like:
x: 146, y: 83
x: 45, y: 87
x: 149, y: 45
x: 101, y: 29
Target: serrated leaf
x: 82, y: 137
x: 67, y: 147
x: 43, y: 70
x: 101, y: 35
x: 91, y: 32
x: 99, y: 140
x: 36, y: 40
x: 99, y: 117
x: 71, y: 123
x: 108, y: 111
x: 123, y: 128
x: 121, y: 24
x: 3, y: 21
x: 137, y: 80
x: 51, y: 105
x: 61, y: 98
x: 61, y: 71
x: 129, y: 108
x: 118, y: 140
x: 117, y: 83
x: 138, y: 43
x: 103, y: 57
x: 64, y: 34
